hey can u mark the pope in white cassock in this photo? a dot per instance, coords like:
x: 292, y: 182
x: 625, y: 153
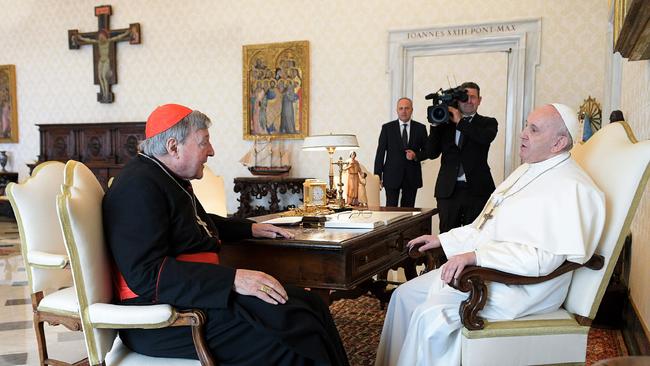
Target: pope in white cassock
x: 547, y: 211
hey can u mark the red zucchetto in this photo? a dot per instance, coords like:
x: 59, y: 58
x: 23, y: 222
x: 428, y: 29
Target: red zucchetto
x: 164, y: 117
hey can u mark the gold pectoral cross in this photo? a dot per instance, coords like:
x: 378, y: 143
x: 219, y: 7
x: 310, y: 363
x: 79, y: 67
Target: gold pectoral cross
x: 486, y: 216
x: 203, y: 224
x: 487, y: 211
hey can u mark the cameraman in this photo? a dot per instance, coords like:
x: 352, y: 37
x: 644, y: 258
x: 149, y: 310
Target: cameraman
x: 464, y: 182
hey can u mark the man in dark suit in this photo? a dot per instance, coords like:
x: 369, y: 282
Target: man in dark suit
x: 464, y: 182
x: 402, y: 146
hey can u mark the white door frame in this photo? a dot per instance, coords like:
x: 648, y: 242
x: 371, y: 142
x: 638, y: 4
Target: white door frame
x: 520, y: 38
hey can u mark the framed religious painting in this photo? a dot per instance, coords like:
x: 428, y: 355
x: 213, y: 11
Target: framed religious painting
x: 276, y: 90
x: 8, y: 110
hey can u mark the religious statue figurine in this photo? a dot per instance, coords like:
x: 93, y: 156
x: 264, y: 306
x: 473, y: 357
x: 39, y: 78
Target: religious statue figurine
x: 363, y: 178
x: 355, y: 177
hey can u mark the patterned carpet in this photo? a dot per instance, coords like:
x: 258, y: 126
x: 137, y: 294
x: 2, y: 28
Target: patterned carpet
x: 360, y: 321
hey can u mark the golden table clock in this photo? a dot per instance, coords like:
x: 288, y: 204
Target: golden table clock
x: 314, y: 192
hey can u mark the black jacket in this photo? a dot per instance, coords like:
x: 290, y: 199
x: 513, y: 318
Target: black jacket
x: 391, y: 164
x: 148, y: 221
x: 473, y: 153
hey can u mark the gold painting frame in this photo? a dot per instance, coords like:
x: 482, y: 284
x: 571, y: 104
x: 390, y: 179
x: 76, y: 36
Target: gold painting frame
x: 631, y: 29
x: 8, y: 105
x: 275, y: 90
x: 620, y: 10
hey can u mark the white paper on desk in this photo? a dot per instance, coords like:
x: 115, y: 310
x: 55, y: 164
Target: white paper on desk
x: 287, y: 220
x: 354, y: 220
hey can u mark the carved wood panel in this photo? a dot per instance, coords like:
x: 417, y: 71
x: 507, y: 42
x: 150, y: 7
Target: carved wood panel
x: 95, y: 145
x: 103, y: 147
x: 127, y: 143
x: 58, y: 144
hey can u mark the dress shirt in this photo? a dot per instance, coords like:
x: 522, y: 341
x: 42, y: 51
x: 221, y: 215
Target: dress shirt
x: 408, y: 128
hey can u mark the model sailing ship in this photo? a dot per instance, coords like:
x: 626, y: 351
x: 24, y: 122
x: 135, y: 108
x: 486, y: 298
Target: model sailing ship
x: 267, y: 157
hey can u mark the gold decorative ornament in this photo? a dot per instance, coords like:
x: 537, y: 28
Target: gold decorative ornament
x: 307, y: 211
x: 339, y: 202
x: 591, y: 117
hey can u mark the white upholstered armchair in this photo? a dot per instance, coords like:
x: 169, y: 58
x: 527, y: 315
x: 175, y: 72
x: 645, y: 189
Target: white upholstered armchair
x: 618, y: 164
x: 80, y: 215
x: 43, y: 251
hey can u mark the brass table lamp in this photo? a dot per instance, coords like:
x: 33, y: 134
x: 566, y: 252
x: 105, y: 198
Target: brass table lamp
x: 331, y: 143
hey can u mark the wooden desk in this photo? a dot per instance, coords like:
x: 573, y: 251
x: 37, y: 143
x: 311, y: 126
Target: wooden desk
x: 329, y: 259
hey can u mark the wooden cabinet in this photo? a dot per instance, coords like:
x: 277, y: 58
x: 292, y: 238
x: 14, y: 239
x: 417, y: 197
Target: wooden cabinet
x: 5, y: 179
x: 103, y: 147
x: 272, y: 188
x: 5, y: 206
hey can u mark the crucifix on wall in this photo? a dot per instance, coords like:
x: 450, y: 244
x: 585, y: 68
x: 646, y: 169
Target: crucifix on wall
x: 103, y: 41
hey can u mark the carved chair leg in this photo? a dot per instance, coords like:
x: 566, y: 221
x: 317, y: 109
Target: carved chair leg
x: 38, y: 327
x: 409, y: 266
x: 40, y: 339
x: 197, y: 319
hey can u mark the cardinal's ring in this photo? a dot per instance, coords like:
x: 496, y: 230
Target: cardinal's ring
x: 265, y: 288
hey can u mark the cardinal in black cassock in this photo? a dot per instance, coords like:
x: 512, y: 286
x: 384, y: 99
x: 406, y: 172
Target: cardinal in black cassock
x: 165, y: 247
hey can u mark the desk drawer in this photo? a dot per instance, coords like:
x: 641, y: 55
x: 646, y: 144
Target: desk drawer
x: 372, y: 257
x: 416, y: 230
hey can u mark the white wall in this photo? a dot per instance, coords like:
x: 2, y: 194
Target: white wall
x: 191, y: 53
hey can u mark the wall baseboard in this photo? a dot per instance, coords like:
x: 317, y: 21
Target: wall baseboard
x: 634, y: 332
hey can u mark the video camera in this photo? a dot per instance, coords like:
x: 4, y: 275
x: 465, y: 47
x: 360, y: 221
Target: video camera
x: 438, y: 112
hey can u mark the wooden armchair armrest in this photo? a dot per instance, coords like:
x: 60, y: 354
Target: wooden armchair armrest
x: 473, y: 278
x: 196, y: 319
x: 114, y: 316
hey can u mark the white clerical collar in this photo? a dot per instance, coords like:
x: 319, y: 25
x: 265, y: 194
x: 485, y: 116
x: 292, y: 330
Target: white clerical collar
x: 545, y: 164
x: 532, y: 172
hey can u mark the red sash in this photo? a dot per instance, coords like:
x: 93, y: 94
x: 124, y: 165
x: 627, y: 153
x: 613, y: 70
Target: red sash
x: 124, y: 292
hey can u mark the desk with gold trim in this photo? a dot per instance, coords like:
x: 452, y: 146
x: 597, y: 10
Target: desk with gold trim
x: 325, y: 259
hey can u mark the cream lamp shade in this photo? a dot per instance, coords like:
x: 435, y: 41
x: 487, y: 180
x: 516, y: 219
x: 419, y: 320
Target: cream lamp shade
x: 326, y: 142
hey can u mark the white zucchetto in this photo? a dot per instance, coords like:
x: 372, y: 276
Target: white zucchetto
x: 570, y: 118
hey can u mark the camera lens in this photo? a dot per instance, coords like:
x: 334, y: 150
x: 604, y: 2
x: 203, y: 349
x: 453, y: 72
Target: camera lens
x: 438, y: 114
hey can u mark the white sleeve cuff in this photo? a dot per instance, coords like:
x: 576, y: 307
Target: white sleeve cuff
x: 459, y: 240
